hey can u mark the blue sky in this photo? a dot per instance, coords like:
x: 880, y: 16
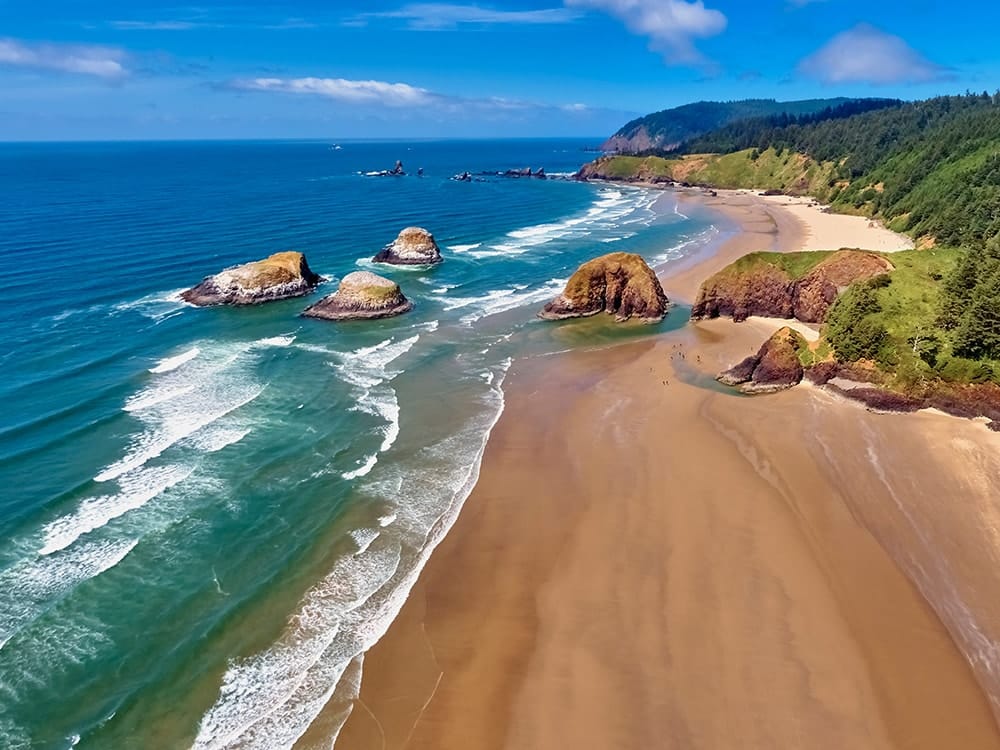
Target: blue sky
x: 109, y: 69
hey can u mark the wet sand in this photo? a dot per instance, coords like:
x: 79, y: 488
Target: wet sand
x: 650, y: 561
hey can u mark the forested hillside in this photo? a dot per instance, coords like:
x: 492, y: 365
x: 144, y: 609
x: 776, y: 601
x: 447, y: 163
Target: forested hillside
x: 667, y: 129
x: 930, y: 169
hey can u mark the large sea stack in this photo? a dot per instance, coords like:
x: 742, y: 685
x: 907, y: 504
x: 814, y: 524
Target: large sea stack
x: 771, y: 285
x: 776, y: 366
x: 280, y: 276
x: 361, y: 296
x: 620, y: 284
x: 413, y: 247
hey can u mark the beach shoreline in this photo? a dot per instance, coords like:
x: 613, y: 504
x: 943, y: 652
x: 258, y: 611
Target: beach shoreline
x: 644, y: 551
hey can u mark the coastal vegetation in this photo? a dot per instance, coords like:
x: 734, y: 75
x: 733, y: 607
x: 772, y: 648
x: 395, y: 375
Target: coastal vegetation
x: 670, y: 128
x: 929, y: 169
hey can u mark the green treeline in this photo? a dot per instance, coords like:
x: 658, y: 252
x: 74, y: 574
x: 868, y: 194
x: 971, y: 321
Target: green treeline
x: 930, y: 169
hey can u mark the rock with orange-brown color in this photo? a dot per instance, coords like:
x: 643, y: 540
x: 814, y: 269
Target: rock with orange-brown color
x: 785, y: 285
x: 280, y: 276
x: 620, y: 284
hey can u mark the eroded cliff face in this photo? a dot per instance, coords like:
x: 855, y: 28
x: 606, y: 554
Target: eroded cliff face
x: 620, y: 284
x: 280, y: 276
x: 361, y: 295
x: 761, y: 287
x: 776, y: 365
x: 414, y: 246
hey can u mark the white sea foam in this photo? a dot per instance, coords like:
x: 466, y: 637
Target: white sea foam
x: 156, y: 306
x: 168, y: 425
x: 172, y: 363
x: 270, y: 700
x: 135, y: 490
x: 464, y: 248
x: 363, y: 538
x: 500, y: 301
x: 33, y: 586
x: 363, y: 470
x: 182, y: 401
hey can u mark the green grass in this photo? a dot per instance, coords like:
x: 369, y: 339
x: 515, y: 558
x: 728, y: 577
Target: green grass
x: 796, y: 265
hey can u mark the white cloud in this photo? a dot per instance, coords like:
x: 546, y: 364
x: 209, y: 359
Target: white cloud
x: 104, y: 62
x: 445, y: 15
x: 866, y: 55
x: 671, y: 25
x: 156, y: 25
x: 340, y: 89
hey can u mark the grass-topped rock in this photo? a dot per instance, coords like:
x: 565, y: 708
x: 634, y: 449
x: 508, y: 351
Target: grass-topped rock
x: 620, y: 284
x: 785, y: 285
x: 361, y: 296
x: 280, y: 276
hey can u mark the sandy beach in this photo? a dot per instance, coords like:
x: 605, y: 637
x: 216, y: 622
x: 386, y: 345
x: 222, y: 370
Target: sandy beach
x: 649, y: 560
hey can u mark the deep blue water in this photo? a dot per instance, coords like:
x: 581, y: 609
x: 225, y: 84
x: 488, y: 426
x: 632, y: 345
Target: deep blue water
x: 206, y: 515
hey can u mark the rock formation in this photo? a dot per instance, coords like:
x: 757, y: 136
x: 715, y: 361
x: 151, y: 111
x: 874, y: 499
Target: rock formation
x: 759, y: 284
x: 361, y: 296
x: 620, y: 284
x: 280, y: 276
x: 774, y: 367
x: 413, y: 247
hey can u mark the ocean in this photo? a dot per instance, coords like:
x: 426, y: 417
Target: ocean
x: 207, y: 516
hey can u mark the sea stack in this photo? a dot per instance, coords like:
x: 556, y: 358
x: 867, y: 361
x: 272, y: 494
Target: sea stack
x: 775, y: 367
x: 620, y: 284
x: 361, y: 296
x: 280, y: 276
x: 413, y: 247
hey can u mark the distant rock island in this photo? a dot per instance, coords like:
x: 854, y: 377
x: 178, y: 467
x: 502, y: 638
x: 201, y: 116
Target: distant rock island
x: 282, y: 275
x: 414, y: 246
x: 361, y: 295
x: 620, y: 284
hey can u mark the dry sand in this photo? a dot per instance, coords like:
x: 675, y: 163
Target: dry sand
x: 648, y: 561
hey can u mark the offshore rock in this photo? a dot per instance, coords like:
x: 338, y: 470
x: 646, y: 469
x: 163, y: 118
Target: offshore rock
x: 413, y: 247
x: 361, y: 296
x: 280, y: 276
x: 620, y: 284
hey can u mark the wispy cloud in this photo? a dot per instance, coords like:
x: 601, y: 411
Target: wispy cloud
x: 341, y: 89
x: 103, y: 62
x: 865, y: 54
x: 375, y: 95
x: 671, y: 25
x: 433, y: 16
x: 187, y: 25
x: 158, y: 25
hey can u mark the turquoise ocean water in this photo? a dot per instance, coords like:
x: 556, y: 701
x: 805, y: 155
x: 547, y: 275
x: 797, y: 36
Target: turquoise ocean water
x: 208, y: 515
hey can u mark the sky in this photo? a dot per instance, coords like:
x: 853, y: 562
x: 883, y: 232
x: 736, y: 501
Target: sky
x: 166, y: 69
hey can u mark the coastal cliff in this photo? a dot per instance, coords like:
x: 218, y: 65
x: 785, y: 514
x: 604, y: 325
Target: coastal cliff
x: 791, y: 285
x: 620, y: 284
x: 361, y: 295
x: 280, y: 276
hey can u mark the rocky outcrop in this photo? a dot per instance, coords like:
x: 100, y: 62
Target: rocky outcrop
x: 776, y: 366
x: 280, y: 276
x: 651, y: 170
x: 620, y: 284
x: 761, y: 284
x: 361, y: 296
x: 413, y: 247
x: 813, y: 294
